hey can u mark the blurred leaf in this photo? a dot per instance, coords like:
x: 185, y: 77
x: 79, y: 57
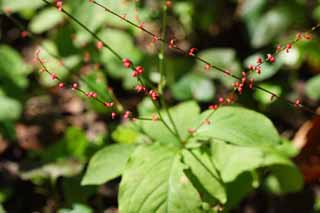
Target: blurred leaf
x: 77, y: 208
x: 107, y: 164
x: 49, y: 52
x: 229, y: 126
x: 265, y: 98
x: 193, y: 86
x: 73, y: 145
x: 45, y: 20
x: 84, y: 11
x: 313, y: 88
x: 154, y: 182
x: 12, y: 67
x: 117, y: 39
x: 96, y: 82
x: 18, y: 5
x: 10, y: 109
x: 224, y: 58
x: 270, y: 25
x: 52, y: 171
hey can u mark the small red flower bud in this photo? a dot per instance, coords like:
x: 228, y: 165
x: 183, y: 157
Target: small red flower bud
x: 126, y: 115
x: 251, y: 67
x: 59, y: 5
x: 207, y: 67
x: 75, y: 86
x: 270, y: 58
x: 126, y: 63
x: 297, y: 103
x: 113, y: 115
x: 61, y: 85
x: 54, y: 76
x: 214, y: 106
x: 140, y: 88
x: 99, y: 45
x: 171, y: 44
x: 24, y: 34
x: 192, y: 51
x: 259, y: 60
x: 288, y: 47
x: 108, y: 104
x: 221, y: 100
x: 154, y: 95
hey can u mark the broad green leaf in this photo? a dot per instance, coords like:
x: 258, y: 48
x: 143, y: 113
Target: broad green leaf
x: 203, y: 173
x: 313, y: 88
x: 193, y: 86
x: 233, y: 160
x: 45, y: 20
x: 241, y: 126
x: 153, y: 181
x: 184, y: 117
x: 10, y: 109
x: 107, y: 164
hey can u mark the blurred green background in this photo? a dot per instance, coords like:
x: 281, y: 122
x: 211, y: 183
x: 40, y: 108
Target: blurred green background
x: 48, y: 135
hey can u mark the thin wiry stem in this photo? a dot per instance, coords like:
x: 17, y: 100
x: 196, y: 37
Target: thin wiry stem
x: 118, y: 56
x: 180, y: 50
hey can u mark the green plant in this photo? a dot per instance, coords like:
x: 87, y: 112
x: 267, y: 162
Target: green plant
x: 180, y: 159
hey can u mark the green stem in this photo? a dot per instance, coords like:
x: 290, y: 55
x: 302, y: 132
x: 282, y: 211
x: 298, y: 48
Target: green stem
x: 161, y: 55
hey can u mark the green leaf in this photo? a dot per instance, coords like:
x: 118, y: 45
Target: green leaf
x: 204, y: 175
x: 126, y: 133
x: 313, y: 88
x: 241, y: 126
x: 45, y: 20
x: 193, y: 86
x: 12, y: 67
x: 153, y: 181
x: 107, y: 164
x: 10, y: 109
x: 77, y: 208
x: 265, y: 98
x: 18, y: 5
x: 160, y: 133
x: 269, y: 26
x: 52, y: 171
x: 221, y: 57
x: 233, y: 160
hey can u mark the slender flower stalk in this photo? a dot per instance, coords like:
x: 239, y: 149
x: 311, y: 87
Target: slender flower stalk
x: 191, y: 53
x: 119, y: 57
